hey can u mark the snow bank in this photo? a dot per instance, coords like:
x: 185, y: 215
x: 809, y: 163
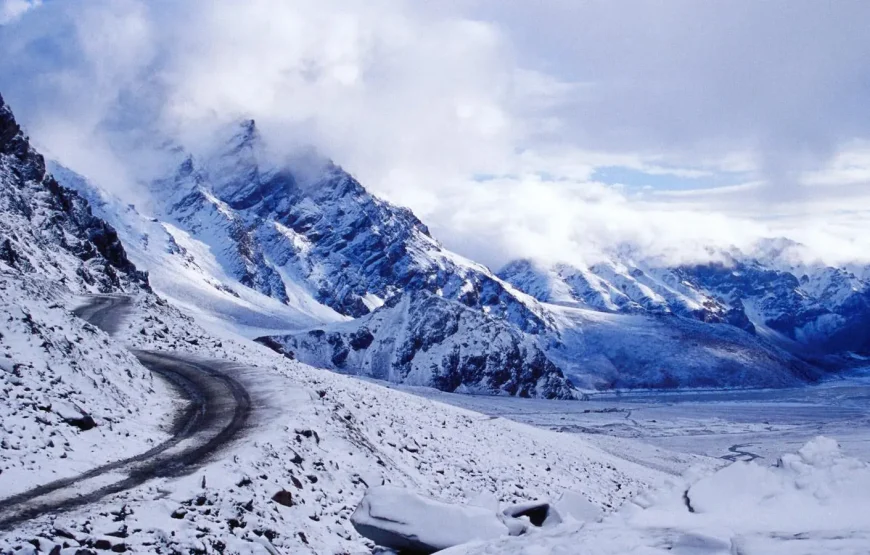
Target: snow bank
x: 811, y: 502
x: 399, y: 519
x: 817, y: 490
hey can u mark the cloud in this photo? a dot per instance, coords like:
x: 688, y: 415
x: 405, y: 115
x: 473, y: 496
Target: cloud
x: 779, y: 78
x: 401, y: 97
x: 491, y: 120
x: 11, y: 10
x: 579, y: 222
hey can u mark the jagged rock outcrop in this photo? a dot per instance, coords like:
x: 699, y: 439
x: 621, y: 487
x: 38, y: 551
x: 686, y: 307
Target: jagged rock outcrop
x: 49, y: 229
x: 304, y: 219
x: 420, y: 338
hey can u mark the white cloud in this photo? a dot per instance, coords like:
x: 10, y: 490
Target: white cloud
x: 851, y: 166
x: 11, y: 10
x: 488, y: 119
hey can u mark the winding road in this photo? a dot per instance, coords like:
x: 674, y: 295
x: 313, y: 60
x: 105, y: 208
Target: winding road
x: 218, y: 409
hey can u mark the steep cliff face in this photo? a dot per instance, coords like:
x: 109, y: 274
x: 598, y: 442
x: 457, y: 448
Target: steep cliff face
x: 49, y: 229
x: 305, y: 220
x: 423, y: 339
x: 304, y: 232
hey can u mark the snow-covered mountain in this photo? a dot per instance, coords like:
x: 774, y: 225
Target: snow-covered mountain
x: 780, y: 304
x: 621, y: 287
x: 299, y: 245
x: 822, y: 308
x: 292, y: 246
x: 420, y: 338
x: 71, y: 397
x: 302, y: 219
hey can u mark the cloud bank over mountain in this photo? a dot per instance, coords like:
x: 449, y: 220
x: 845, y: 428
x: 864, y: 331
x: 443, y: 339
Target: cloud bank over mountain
x: 515, y: 130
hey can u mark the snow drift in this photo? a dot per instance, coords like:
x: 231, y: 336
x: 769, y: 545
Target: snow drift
x: 813, y: 501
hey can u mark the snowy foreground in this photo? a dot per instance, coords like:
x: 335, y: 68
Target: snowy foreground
x: 319, y: 441
x: 811, y: 502
x: 316, y: 442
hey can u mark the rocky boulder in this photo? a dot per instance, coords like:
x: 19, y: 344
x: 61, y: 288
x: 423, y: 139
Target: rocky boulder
x: 409, y: 523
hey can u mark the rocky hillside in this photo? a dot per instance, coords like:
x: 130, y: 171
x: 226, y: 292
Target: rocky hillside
x: 420, y: 338
x: 72, y: 398
x: 50, y: 230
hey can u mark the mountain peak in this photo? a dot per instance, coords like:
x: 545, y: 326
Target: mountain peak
x: 11, y: 137
x: 244, y: 133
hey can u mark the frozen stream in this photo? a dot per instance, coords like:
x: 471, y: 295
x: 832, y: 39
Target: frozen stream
x: 728, y: 425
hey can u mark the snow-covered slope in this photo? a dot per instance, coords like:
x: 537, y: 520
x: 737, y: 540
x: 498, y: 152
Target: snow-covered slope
x: 600, y: 350
x: 420, y: 338
x: 811, y: 502
x: 274, y: 247
x: 71, y: 398
x: 621, y: 287
x: 771, y: 292
x: 186, y: 269
x: 323, y: 439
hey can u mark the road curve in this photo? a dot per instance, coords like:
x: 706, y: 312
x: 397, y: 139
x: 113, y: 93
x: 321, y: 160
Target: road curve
x: 218, y: 409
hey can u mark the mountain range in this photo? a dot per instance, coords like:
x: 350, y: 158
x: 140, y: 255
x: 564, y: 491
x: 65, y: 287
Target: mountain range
x: 294, y: 249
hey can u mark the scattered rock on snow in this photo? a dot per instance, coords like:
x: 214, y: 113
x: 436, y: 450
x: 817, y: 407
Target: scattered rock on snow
x: 73, y: 416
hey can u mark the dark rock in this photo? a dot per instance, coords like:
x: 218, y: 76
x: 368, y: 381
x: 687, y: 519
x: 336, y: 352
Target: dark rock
x: 538, y: 513
x: 361, y: 339
x: 66, y: 223
x: 501, y: 359
x: 283, y: 497
x: 84, y: 423
x: 275, y: 346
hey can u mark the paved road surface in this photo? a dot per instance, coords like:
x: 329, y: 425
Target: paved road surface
x: 218, y: 409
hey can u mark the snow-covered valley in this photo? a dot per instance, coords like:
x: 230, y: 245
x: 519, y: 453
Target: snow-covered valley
x: 763, y: 499
x: 152, y: 422
x: 730, y: 425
